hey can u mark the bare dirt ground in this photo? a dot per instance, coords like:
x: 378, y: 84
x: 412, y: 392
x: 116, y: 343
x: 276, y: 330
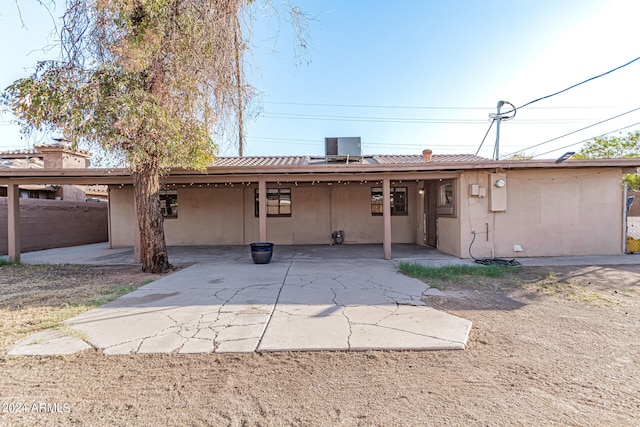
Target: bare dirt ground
x: 549, y: 346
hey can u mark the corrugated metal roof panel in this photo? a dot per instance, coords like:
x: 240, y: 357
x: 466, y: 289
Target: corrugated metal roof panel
x: 383, y: 159
x: 260, y: 161
x: 388, y: 159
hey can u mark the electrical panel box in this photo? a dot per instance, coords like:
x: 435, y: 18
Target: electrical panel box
x: 474, y: 189
x: 497, y: 192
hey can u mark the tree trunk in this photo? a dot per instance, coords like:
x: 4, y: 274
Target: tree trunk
x: 146, y: 187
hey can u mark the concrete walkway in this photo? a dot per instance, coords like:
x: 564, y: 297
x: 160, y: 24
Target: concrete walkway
x: 308, y: 298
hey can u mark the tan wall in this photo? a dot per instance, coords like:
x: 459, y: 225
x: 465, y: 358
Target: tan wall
x: 48, y: 224
x: 449, y: 239
x: 206, y: 216
x: 549, y: 213
x: 214, y: 216
x: 123, y: 218
x: 309, y: 222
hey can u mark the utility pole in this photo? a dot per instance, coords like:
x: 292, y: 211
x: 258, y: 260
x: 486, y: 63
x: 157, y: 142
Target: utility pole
x: 496, y: 150
x: 236, y: 29
x: 498, y: 117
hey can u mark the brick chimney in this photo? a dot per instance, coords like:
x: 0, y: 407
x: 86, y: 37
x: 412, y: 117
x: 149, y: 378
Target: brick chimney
x: 60, y: 156
x: 425, y: 153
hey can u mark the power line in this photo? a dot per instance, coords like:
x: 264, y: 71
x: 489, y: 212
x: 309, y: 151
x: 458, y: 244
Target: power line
x: 294, y: 116
x: 416, y: 107
x: 408, y: 120
x: 485, y: 136
x: 589, y: 139
x: 575, y: 85
x: 561, y: 91
x: 571, y: 133
x: 404, y: 107
x: 315, y: 142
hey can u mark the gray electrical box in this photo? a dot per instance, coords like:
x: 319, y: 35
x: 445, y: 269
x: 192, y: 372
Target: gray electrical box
x: 343, y: 148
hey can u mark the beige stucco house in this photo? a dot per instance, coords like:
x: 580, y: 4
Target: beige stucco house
x: 462, y: 205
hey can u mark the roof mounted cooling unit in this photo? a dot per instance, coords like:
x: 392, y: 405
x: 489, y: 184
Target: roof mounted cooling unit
x: 343, y: 148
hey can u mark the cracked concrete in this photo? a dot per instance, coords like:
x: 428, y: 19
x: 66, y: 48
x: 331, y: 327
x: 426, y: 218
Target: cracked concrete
x: 293, y: 303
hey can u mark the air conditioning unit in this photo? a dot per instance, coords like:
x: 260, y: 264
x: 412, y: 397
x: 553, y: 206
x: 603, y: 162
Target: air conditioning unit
x: 343, y: 148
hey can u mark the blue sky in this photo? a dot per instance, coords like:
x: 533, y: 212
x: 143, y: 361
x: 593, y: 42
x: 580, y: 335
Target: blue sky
x: 409, y: 75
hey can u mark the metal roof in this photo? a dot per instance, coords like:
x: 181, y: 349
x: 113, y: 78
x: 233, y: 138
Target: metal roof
x: 376, y: 159
x: 260, y: 161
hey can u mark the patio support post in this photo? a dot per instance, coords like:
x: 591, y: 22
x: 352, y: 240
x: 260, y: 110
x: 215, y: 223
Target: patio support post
x: 137, y: 252
x: 13, y: 222
x: 386, y: 215
x: 262, y: 209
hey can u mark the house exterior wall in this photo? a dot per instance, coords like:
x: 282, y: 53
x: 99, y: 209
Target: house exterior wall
x: 225, y: 215
x: 309, y: 222
x: 549, y: 213
x: 46, y: 224
x: 122, y: 216
x: 206, y: 216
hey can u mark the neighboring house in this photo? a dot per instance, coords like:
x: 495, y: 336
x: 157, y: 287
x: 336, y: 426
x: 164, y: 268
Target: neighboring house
x: 51, y: 213
x: 51, y: 156
x: 461, y: 204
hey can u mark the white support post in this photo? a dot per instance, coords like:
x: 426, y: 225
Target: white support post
x: 262, y: 208
x: 386, y: 215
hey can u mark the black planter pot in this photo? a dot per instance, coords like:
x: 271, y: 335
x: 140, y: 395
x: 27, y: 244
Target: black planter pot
x: 261, y: 252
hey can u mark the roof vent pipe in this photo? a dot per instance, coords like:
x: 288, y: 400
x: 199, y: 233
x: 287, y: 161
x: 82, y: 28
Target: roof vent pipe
x: 427, y: 155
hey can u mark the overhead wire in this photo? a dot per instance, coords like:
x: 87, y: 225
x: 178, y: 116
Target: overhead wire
x: 294, y: 116
x: 417, y: 107
x: 571, y: 133
x: 485, y: 136
x: 314, y: 142
x: 515, y: 109
x: 405, y: 107
x: 589, y: 139
x: 575, y: 85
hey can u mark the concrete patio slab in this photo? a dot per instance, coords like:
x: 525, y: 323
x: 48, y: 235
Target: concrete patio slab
x: 300, y: 301
x: 308, y: 298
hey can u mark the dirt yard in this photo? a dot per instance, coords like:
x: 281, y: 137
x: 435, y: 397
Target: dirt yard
x: 556, y: 346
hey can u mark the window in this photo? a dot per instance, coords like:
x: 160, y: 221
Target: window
x: 398, y: 198
x: 278, y: 202
x: 169, y: 204
x: 446, y: 198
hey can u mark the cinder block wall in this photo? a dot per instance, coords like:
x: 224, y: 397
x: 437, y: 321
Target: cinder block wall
x: 46, y: 224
